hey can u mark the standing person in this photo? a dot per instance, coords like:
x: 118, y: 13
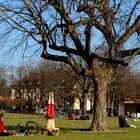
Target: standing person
x: 3, y: 131
x: 50, y: 116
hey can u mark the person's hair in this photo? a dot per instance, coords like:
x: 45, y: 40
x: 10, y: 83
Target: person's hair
x: 1, y: 114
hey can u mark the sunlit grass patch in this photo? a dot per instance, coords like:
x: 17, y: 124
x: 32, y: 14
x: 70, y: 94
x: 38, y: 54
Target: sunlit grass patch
x: 73, y: 129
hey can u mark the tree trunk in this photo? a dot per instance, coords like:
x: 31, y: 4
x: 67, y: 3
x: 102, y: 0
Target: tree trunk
x: 99, y: 111
x: 112, y: 104
x: 100, y: 79
x: 84, y: 104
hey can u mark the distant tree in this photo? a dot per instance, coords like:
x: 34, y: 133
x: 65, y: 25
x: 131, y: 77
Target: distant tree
x: 16, y: 104
x: 4, y: 88
x: 128, y: 86
x: 124, y: 86
x: 56, y: 77
x: 83, y: 89
x: 4, y: 101
x: 33, y: 85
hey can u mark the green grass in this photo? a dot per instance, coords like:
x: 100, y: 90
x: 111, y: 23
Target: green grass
x: 73, y: 129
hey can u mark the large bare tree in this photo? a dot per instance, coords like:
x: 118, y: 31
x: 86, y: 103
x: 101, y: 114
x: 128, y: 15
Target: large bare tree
x: 94, y: 31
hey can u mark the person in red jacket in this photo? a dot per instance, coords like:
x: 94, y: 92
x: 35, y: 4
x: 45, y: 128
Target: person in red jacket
x: 3, y: 131
x: 50, y: 116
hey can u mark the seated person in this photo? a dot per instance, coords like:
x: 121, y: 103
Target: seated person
x: 84, y: 117
x: 77, y: 116
x: 3, y: 131
x: 122, y: 121
x: 70, y: 115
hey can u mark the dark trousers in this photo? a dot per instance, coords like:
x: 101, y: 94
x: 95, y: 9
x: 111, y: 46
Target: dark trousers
x: 4, y: 134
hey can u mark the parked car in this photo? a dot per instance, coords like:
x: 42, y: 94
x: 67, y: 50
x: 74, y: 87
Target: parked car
x: 7, y: 109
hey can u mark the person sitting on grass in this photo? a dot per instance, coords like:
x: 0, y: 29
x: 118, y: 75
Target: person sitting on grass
x: 123, y: 122
x: 50, y: 115
x: 70, y: 115
x: 3, y: 131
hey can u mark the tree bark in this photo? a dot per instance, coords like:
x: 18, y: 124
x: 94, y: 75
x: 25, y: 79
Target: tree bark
x: 99, y: 111
x: 112, y: 104
x: 100, y: 79
x: 84, y: 104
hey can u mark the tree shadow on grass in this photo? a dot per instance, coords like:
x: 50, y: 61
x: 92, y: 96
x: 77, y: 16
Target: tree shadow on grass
x: 74, y: 129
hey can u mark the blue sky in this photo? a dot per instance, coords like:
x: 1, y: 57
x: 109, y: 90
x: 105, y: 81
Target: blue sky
x: 16, y: 56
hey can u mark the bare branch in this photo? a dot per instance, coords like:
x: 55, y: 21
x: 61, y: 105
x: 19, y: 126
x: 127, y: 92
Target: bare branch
x: 20, y: 26
x: 133, y: 28
x: 108, y: 60
x: 76, y: 67
x: 88, y: 38
x: 131, y: 14
x: 129, y: 53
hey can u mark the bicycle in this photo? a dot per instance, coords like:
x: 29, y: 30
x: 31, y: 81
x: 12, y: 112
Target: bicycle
x: 29, y: 128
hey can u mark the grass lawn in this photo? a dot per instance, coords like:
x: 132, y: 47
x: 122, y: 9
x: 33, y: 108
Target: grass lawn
x: 73, y: 129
